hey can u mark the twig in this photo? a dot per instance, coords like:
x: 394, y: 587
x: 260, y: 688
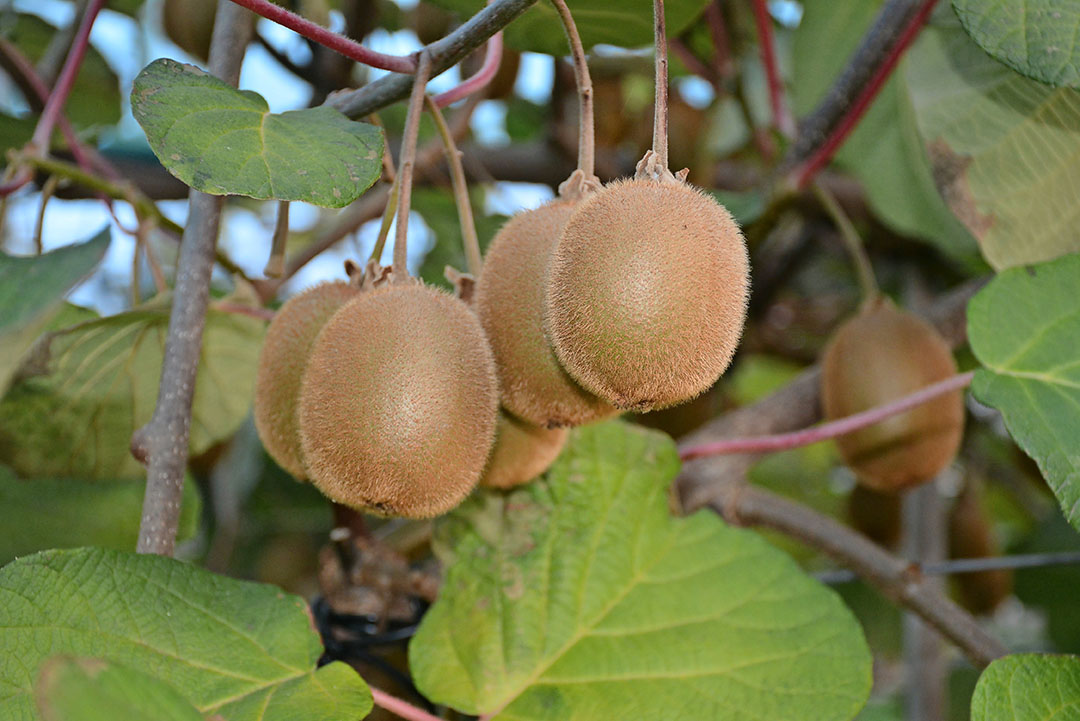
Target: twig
x: 895, y: 578
x: 823, y: 131
x: 971, y: 565
x: 782, y: 117
x: 852, y: 241
x: 478, y: 80
x: 797, y: 439
x: 47, y: 191
x: 302, y: 72
x: 404, y: 709
x: 444, y: 53
x: 660, y: 113
x: 406, y: 163
x: 338, y: 43
x: 586, y: 124
x: 275, y: 264
x: 714, y: 18
x: 469, y: 240
x: 163, y: 442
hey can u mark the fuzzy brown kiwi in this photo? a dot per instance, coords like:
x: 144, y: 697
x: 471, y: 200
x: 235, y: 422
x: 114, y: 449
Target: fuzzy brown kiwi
x: 189, y: 24
x: 522, y: 452
x: 882, y: 354
x: 399, y: 402
x: 971, y: 535
x: 647, y: 293
x: 282, y: 361
x: 509, y: 301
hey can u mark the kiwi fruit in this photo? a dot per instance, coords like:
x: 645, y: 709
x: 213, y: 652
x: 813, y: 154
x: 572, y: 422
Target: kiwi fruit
x: 190, y: 24
x: 877, y: 515
x: 522, y: 452
x: 509, y: 300
x: 971, y: 535
x: 647, y: 292
x: 882, y: 354
x: 399, y: 402
x: 284, y: 356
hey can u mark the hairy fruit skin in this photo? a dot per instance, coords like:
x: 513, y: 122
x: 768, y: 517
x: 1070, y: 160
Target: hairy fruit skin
x: 284, y: 357
x: 647, y: 293
x: 882, y: 354
x: 522, y: 452
x: 399, y: 402
x: 509, y: 301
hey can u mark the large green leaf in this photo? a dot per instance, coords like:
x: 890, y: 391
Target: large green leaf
x: 885, y: 151
x: 1037, y: 38
x: 89, y: 689
x: 31, y: 291
x: 89, y: 387
x: 246, y: 651
x: 580, y: 597
x: 41, y: 513
x: 95, y: 99
x: 221, y: 140
x: 1028, y: 687
x: 1005, y: 150
x: 1024, y: 327
x: 627, y: 23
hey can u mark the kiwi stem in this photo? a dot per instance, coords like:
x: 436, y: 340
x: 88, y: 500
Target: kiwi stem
x: 586, y: 125
x: 478, y: 80
x: 660, y: 114
x: 387, y: 220
x: 401, y: 708
x: 275, y: 264
x: 406, y: 161
x: 461, y: 190
x: 852, y: 241
x: 825, y: 431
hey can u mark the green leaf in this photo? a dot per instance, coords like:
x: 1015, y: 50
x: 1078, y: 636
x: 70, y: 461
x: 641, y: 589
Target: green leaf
x: 581, y: 597
x: 1028, y: 687
x: 94, y: 101
x: 885, y: 151
x: 221, y: 140
x: 627, y: 23
x: 1024, y: 327
x: 1005, y: 150
x: 31, y: 291
x: 246, y: 651
x: 89, y: 689
x: 41, y: 513
x: 86, y: 389
x: 440, y: 213
x: 1036, y: 38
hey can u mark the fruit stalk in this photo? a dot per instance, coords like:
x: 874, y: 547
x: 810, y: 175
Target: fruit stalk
x: 275, y: 264
x: 461, y: 190
x: 406, y: 161
x: 586, y: 125
x: 478, y: 80
x: 796, y: 439
x: 782, y: 117
x: 852, y: 241
x: 660, y: 116
x: 399, y: 707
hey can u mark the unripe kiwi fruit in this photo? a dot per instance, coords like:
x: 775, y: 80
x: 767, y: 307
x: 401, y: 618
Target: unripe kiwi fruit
x: 880, y: 355
x: 522, y: 452
x: 399, y: 402
x: 509, y: 300
x: 647, y: 293
x: 284, y: 357
x: 189, y: 24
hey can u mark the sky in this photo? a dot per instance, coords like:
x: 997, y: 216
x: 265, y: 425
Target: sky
x: 128, y: 46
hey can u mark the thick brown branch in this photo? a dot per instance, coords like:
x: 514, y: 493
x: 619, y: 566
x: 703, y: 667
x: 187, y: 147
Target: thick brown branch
x: 444, y: 53
x: 750, y: 506
x: 163, y: 442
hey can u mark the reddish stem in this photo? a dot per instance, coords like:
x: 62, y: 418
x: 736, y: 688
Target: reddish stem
x: 478, y: 80
x: 782, y: 117
x: 403, y: 709
x: 338, y: 43
x: 796, y: 439
x: 714, y: 17
x: 854, y: 114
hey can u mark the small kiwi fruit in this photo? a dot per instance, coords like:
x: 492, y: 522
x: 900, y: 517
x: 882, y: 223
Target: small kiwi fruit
x: 522, y: 452
x: 399, y: 402
x: 647, y: 293
x: 284, y: 356
x: 509, y: 300
x: 882, y: 354
x: 875, y: 514
x: 971, y: 535
x: 189, y: 24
